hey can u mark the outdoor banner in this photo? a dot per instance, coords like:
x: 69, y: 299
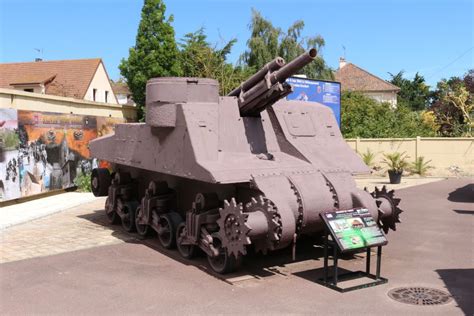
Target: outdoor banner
x: 44, y: 151
x: 327, y: 93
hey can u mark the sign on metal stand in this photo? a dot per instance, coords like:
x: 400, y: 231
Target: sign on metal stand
x: 351, y: 230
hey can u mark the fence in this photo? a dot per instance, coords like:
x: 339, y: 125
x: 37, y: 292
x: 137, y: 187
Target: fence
x: 449, y: 156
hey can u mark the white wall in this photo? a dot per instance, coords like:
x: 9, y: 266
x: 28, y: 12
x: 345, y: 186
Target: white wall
x: 28, y: 101
x: 390, y: 97
x: 36, y: 88
x: 122, y: 98
x: 101, y: 83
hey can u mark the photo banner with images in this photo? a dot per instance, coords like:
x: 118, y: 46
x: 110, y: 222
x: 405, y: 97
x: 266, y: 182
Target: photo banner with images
x: 43, y: 151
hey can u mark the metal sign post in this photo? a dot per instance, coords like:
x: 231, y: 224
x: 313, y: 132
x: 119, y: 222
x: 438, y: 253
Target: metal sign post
x: 339, y: 232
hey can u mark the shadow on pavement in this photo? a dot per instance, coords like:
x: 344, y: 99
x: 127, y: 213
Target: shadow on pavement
x: 464, y: 194
x: 314, y: 274
x: 460, y: 284
x: 255, y: 265
x: 468, y: 212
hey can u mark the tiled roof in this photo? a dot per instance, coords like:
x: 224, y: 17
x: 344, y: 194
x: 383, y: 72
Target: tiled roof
x: 120, y: 87
x: 25, y: 79
x: 353, y: 78
x: 71, y: 77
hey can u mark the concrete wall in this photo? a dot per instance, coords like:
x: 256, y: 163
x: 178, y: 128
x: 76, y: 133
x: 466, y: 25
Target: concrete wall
x: 21, y: 100
x: 101, y: 83
x: 390, y: 97
x: 446, y: 154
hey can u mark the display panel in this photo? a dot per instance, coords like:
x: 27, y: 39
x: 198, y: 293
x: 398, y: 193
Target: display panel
x: 354, y: 229
x: 327, y: 93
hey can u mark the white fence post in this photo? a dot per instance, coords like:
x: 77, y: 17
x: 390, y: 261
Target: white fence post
x: 417, y: 147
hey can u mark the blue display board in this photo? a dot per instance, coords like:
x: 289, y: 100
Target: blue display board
x: 324, y: 92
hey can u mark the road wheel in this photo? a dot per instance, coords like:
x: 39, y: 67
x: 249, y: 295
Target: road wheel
x: 166, y: 231
x: 111, y: 214
x: 187, y: 251
x: 223, y: 263
x: 128, y: 221
x: 142, y: 229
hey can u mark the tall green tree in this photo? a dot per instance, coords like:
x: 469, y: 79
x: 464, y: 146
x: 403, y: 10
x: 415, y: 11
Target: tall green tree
x: 413, y: 93
x: 198, y: 58
x: 267, y: 42
x: 155, y: 53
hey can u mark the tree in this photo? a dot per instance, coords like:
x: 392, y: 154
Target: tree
x: 267, y: 42
x: 413, y: 93
x: 469, y: 81
x: 199, y: 59
x: 364, y: 117
x: 453, y: 107
x: 155, y: 53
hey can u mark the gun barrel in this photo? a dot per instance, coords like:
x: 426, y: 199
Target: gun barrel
x: 294, y: 66
x: 268, y: 85
x: 272, y: 66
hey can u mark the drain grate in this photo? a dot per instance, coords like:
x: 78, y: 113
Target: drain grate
x: 420, y: 296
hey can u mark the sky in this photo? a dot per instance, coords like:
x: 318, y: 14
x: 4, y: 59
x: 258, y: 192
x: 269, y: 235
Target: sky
x: 434, y: 38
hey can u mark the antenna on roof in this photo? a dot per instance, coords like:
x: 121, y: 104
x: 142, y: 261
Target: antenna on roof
x: 344, y: 49
x: 40, y: 52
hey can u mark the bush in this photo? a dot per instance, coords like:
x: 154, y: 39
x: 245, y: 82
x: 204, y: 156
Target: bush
x: 83, y: 182
x: 420, y: 166
x: 396, y: 161
x: 368, y: 157
x: 364, y: 117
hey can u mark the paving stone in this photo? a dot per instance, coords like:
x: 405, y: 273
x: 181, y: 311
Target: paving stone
x: 77, y: 228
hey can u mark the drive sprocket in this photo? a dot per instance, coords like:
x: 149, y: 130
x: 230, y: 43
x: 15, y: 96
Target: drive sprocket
x: 389, y: 212
x: 269, y: 209
x: 233, y: 229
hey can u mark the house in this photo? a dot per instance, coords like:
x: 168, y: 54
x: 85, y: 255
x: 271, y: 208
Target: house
x: 84, y: 79
x: 354, y: 78
x: 122, y: 92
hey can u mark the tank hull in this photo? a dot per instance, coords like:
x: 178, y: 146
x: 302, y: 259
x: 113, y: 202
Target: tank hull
x: 223, y: 174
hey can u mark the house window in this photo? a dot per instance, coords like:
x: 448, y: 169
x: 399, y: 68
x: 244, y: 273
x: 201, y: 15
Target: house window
x: 106, y: 96
x: 94, y: 92
x: 29, y: 90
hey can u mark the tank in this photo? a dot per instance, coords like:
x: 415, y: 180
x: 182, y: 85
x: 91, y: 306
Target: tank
x: 223, y: 174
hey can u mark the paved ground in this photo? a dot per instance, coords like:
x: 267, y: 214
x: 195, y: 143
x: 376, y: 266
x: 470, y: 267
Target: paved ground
x: 370, y: 182
x: 115, y: 272
x: 27, y: 211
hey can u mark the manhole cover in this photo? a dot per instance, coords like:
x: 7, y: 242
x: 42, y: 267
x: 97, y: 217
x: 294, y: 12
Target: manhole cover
x: 419, y: 296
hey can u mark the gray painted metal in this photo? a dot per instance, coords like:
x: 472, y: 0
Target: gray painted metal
x: 271, y: 165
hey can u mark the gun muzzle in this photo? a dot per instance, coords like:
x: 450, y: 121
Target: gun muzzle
x: 268, y: 85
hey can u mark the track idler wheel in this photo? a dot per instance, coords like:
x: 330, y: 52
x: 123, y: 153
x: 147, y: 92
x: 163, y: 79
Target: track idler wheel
x: 389, y: 212
x: 224, y: 262
x: 100, y: 181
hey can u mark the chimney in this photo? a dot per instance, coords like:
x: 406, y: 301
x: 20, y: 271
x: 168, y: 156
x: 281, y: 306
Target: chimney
x: 38, y: 59
x: 342, y: 62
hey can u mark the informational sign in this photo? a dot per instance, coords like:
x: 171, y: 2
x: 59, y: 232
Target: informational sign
x: 324, y: 92
x: 354, y: 229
